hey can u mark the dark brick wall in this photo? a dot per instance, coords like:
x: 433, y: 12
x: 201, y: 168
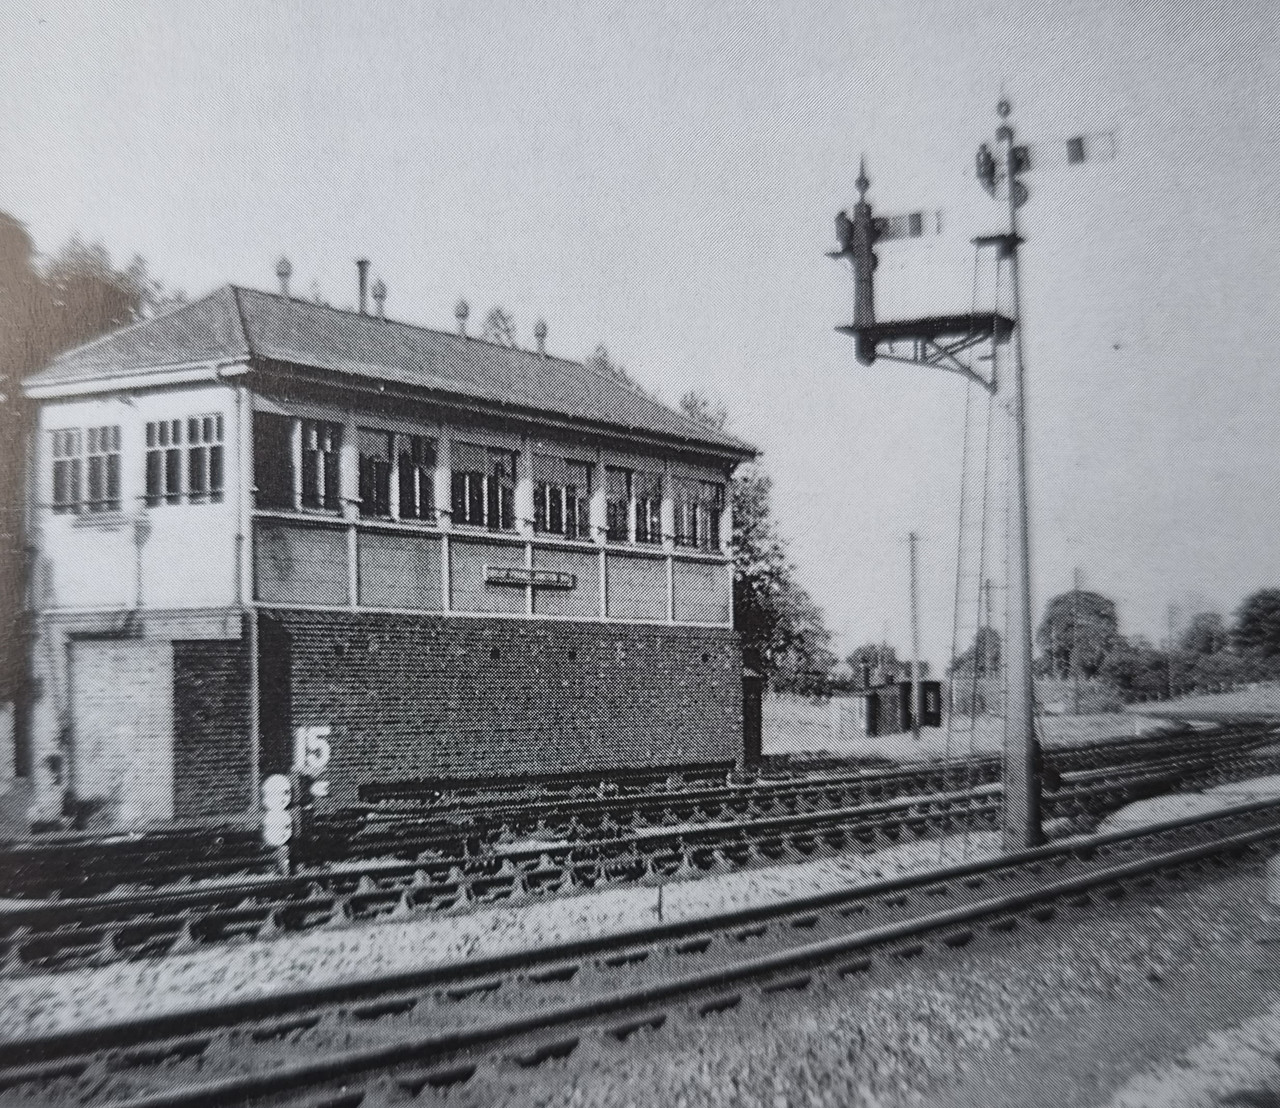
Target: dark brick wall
x: 211, y: 771
x: 430, y: 696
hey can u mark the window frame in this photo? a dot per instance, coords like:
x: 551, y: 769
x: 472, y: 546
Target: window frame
x: 67, y: 455
x: 697, y: 510
x: 319, y: 486
x: 175, y: 450
x: 484, y: 499
x: 562, y: 489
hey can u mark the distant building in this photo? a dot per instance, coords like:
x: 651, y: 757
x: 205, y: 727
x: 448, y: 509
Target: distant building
x: 267, y: 529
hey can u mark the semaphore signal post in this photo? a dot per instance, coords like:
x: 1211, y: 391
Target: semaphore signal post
x: 938, y: 342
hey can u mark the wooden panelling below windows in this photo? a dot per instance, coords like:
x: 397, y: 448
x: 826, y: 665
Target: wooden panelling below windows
x: 467, y: 561
x: 636, y: 586
x: 399, y: 570
x: 583, y: 600
x: 299, y: 564
x: 703, y: 591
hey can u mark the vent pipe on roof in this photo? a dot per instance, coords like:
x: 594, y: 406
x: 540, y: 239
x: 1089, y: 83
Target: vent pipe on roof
x: 380, y: 297
x: 540, y: 334
x: 362, y: 267
x: 462, y: 310
x: 284, y: 270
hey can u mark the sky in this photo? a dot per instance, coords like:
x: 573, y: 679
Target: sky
x: 663, y: 178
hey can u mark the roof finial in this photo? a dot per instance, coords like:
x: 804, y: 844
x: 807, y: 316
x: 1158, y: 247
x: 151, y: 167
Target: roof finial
x: 284, y: 270
x: 863, y: 181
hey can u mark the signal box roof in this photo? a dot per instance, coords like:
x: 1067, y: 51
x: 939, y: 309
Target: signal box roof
x: 262, y: 329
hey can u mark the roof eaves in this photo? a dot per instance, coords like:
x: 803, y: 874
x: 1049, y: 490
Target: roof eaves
x: 450, y: 392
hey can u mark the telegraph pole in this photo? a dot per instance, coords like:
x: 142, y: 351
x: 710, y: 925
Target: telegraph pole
x: 917, y: 699
x: 1077, y: 584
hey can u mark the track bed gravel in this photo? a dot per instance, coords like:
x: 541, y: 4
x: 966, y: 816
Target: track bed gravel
x: 1066, y: 1014
x: 39, y: 1004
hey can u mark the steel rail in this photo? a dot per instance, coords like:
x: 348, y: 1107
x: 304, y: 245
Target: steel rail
x: 638, y: 1004
x: 1114, y: 751
x: 395, y: 833
x: 129, y: 1032
x: 78, y: 862
x: 104, y: 930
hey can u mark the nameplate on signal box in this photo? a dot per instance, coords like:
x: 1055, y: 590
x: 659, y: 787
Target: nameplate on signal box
x: 538, y: 578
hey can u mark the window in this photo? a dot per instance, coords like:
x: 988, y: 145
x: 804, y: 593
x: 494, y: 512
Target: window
x: 164, y: 462
x: 483, y: 487
x: 321, y: 446
x: 67, y: 470
x: 273, y: 461
x: 617, y: 503
x: 86, y: 470
x: 204, y: 459
x: 417, y: 477
x: 698, y: 507
x: 104, y: 468
x: 561, y: 497
x: 167, y: 481
x: 375, y: 472
x: 648, y: 500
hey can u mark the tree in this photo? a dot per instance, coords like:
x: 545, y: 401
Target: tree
x: 1078, y: 629
x: 871, y: 661
x: 697, y: 405
x: 1257, y: 630
x: 983, y: 658
x: 784, y: 636
x: 499, y: 327
x: 1136, y: 669
x: 602, y: 361
x: 75, y: 296
x: 1206, y: 634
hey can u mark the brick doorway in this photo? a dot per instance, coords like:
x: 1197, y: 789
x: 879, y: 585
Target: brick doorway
x: 121, y: 757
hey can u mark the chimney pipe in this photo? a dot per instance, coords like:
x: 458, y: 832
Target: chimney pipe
x: 362, y: 265
x: 284, y: 270
x: 540, y: 334
x: 379, y: 295
x: 461, y: 312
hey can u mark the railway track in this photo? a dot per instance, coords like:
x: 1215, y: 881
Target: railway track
x: 80, y: 866
x: 367, y: 1042
x: 404, y: 831
x: 67, y: 934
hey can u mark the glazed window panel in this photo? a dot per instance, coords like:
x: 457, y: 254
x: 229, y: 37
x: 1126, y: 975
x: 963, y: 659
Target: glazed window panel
x: 184, y: 460
x: 648, y: 502
x: 417, y: 460
x: 273, y: 461
x: 204, y: 459
x: 483, y: 487
x: 561, y: 497
x: 698, y: 507
x: 376, y: 451
x: 68, y: 464
x: 501, y: 507
x: 321, y: 452
x: 103, y: 469
x: 617, y: 503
